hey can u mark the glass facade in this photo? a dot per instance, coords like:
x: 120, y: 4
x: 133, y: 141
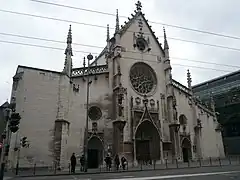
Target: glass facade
x: 226, y: 94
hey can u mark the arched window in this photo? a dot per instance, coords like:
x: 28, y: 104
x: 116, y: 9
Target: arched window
x: 182, y: 119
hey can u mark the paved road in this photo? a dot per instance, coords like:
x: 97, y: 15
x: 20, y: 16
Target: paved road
x: 208, y: 173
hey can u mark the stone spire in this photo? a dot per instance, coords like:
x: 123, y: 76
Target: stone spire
x: 189, y: 79
x: 165, y: 39
x: 108, y: 35
x: 138, y: 6
x: 68, y: 54
x: 166, y: 47
x: 117, y: 23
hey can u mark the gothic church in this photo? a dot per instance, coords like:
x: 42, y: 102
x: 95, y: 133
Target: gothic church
x: 135, y: 108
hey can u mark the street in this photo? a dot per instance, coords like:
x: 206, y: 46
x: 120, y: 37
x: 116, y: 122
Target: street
x: 208, y: 173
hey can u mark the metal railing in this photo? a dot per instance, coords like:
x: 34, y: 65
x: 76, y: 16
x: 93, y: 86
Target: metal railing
x: 37, y: 170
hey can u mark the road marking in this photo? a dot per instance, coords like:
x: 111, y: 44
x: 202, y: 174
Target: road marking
x: 127, y: 176
x: 75, y: 178
x: 177, y: 176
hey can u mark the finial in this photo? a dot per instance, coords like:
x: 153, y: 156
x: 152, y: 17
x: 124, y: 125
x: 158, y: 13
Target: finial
x: 68, y: 50
x: 69, y: 38
x: 189, y: 79
x: 138, y: 6
x: 165, y: 39
x: 117, y: 23
x: 84, y: 62
x: 108, y: 36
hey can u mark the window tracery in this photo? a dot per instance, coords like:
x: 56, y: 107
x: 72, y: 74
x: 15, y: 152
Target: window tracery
x: 143, y: 78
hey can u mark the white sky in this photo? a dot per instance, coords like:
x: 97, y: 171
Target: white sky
x: 218, y: 16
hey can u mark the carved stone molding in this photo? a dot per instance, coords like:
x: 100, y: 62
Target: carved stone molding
x: 78, y: 72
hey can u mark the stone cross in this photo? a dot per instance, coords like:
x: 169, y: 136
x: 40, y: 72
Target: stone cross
x: 139, y: 6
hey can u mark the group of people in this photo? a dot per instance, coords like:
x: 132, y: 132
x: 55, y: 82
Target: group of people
x: 73, y: 160
x: 108, y: 161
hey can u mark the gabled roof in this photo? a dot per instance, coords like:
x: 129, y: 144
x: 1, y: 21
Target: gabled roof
x: 125, y: 27
x: 4, y: 105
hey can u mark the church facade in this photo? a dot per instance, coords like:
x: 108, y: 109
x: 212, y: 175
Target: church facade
x: 135, y: 108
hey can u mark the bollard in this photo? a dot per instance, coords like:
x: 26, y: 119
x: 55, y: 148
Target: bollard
x: 229, y: 158
x: 154, y: 164
x: 55, y: 168
x: 200, y: 163
x: 177, y: 163
x: 188, y: 163
x: 210, y: 159
x: 166, y: 162
x: 17, y: 168
x: 220, y: 164
x: 34, y: 169
x: 141, y: 165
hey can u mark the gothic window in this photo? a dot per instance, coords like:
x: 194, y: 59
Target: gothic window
x: 143, y: 78
x: 94, y: 113
x: 182, y: 119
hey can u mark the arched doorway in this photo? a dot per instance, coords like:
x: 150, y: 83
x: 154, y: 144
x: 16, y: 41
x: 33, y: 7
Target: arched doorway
x: 186, y: 149
x: 147, y: 141
x: 95, y: 152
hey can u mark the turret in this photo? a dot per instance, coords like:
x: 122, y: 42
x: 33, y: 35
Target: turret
x: 68, y: 54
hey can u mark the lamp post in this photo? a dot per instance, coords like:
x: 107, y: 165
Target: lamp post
x: 89, y: 58
x: 5, y: 148
x: 12, y: 125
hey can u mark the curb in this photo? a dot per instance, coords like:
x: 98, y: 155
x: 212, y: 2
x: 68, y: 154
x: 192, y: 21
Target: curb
x: 109, y: 172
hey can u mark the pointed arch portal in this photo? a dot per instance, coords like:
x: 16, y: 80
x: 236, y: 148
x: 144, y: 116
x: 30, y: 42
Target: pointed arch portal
x: 147, y: 141
x: 95, y: 152
x: 186, y: 149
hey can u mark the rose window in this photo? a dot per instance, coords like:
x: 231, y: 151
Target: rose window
x: 143, y: 78
x: 94, y: 113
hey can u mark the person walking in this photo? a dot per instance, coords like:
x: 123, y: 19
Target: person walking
x: 73, y: 162
x: 82, y: 162
x: 117, y: 162
x: 123, y: 162
x: 108, y: 161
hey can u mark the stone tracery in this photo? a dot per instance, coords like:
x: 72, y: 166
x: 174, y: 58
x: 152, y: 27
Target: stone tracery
x: 143, y: 78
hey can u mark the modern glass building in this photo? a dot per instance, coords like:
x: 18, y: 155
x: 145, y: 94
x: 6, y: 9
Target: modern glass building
x: 226, y: 94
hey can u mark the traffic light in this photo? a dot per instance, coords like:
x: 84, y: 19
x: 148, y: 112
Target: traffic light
x: 7, y: 146
x: 14, y: 122
x: 24, y: 141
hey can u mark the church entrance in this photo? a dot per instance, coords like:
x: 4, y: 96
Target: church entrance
x: 186, y: 149
x: 147, y: 141
x: 95, y: 152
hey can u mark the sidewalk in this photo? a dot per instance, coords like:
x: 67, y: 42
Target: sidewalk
x: 103, y: 169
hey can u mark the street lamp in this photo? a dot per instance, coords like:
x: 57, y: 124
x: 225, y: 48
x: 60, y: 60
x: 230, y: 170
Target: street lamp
x: 89, y: 58
x: 12, y: 125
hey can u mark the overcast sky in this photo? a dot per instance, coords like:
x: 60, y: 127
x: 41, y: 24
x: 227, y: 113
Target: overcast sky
x: 218, y: 16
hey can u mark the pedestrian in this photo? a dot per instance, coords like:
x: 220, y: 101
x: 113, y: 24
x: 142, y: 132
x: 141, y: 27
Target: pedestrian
x: 82, y: 162
x: 108, y: 161
x: 117, y: 162
x: 73, y: 162
x: 123, y: 162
